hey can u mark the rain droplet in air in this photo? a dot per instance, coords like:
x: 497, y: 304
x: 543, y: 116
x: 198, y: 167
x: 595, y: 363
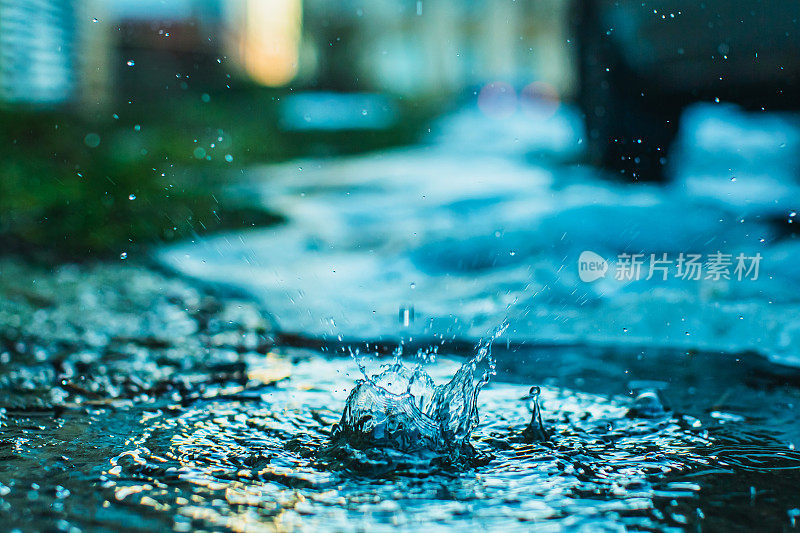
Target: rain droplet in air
x: 406, y: 315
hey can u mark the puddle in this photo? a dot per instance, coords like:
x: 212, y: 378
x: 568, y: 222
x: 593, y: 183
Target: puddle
x: 623, y: 449
x: 237, y: 462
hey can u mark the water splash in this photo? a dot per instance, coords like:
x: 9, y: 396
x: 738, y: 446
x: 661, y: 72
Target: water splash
x: 402, y: 408
x: 535, y: 430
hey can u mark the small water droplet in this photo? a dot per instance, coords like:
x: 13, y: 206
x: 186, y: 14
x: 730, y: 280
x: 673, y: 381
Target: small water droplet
x: 123, y: 255
x: 95, y: 20
x: 131, y: 197
x: 229, y: 158
x: 92, y: 140
x: 131, y: 62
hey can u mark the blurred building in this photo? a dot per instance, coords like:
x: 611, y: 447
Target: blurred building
x: 57, y: 52
x: 93, y: 52
x: 434, y: 46
x: 37, y: 56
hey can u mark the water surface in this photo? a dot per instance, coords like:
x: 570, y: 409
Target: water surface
x: 715, y: 449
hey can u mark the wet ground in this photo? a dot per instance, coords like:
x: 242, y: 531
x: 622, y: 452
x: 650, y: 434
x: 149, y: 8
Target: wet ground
x: 140, y: 402
x: 488, y: 219
x: 134, y: 399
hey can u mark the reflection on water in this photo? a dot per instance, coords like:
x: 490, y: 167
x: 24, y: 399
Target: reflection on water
x: 239, y: 463
x: 245, y: 457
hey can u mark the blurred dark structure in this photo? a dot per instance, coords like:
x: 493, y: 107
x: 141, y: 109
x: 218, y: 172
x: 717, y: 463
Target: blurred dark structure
x: 162, y: 53
x: 641, y: 63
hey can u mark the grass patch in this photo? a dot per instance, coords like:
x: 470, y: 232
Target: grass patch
x: 151, y: 171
